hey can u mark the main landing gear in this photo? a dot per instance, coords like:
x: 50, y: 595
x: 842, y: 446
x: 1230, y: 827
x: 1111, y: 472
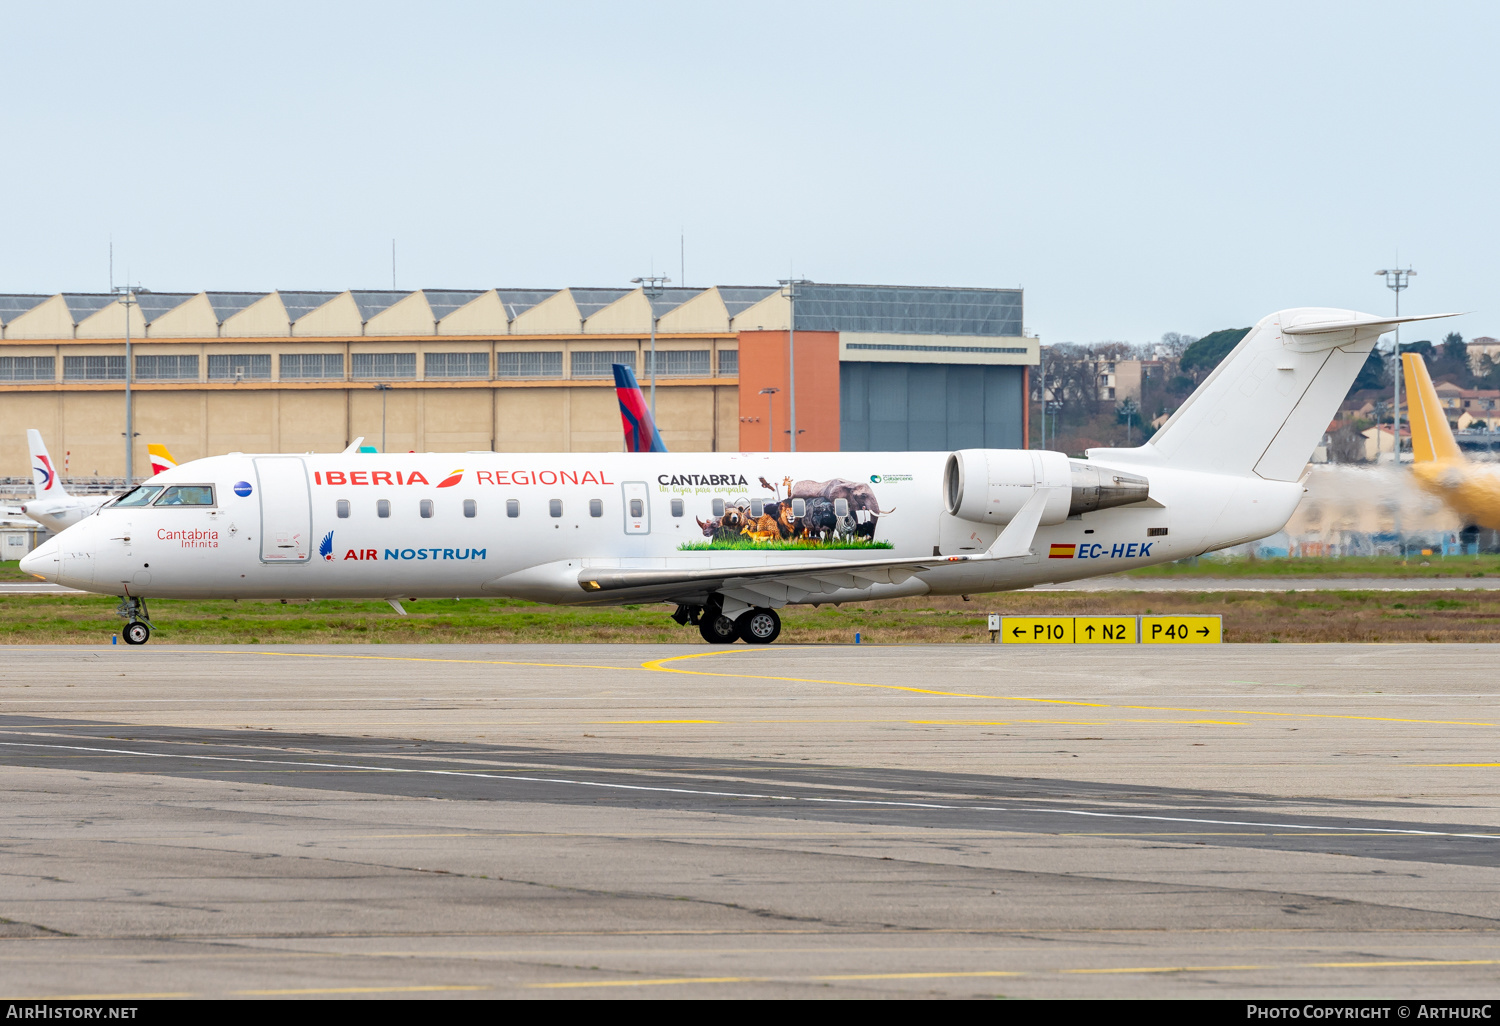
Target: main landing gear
x: 138, y: 621
x: 754, y: 626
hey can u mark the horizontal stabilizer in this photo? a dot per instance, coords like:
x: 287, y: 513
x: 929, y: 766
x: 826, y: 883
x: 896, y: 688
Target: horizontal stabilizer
x: 1317, y: 327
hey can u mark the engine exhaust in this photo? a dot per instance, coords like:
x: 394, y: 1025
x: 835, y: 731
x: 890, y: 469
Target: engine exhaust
x: 1102, y: 488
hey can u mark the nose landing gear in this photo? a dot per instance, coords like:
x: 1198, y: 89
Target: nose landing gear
x: 138, y: 621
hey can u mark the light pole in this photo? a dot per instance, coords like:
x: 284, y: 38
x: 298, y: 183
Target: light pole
x: 791, y: 286
x: 770, y: 419
x: 652, y: 285
x: 127, y: 299
x: 1042, y: 367
x: 382, y: 388
x: 1397, y: 279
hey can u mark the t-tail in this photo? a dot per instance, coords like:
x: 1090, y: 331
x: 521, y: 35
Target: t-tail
x: 1266, y: 406
x: 1431, y: 437
x: 44, y: 476
x: 161, y: 459
x: 635, y: 416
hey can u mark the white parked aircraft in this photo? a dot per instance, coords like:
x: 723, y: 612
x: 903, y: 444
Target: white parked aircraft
x: 53, y: 506
x: 730, y: 538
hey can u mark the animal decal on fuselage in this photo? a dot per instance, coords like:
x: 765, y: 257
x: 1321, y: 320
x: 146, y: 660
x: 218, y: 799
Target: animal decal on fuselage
x: 833, y: 514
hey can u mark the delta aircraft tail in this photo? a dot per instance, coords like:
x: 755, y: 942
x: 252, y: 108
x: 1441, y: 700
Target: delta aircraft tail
x: 640, y: 430
x: 1266, y: 405
x: 161, y: 459
x: 44, y: 477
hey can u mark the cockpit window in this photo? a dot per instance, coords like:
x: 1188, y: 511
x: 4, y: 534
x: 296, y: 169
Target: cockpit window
x: 139, y: 496
x: 187, y: 495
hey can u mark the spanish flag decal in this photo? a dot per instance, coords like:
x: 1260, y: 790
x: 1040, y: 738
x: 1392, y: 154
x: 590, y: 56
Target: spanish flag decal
x: 1061, y: 551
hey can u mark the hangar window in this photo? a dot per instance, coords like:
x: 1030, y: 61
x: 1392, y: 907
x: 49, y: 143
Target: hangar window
x: 596, y: 507
x: 141, y: 496
x: 343, y: 508
x: 28, y: 368
x: 512, y: 507
x: 471, y: 508
x: 677, y: 507
x: 554, y: 507
x: 93, y: 368
x: 425, y: 508
x: 312, y: 365
x: 680, y: 363
x: 167, y: 368
x: 729, y: 363
x: 239, y: 366
x: 382, y: 507
x: 187, y: 495
x: 601, y: 365
x: 456, y: 365
x: 718, y: 507
x: 365, y: 366
x: 528, y: 365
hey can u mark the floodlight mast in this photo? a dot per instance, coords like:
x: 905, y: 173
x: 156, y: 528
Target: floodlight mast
x: 127, y: 299
x: 791, y: 286
x: 1397, y: 279
x: 770, y: 419
x: 652, y: 285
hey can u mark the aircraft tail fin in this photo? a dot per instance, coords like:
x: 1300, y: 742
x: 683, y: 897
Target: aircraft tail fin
x: 635, y: 416
x: 1268, y: 403
x: 1431, y: 437
x: 161, y: 459
x: 44, y: 476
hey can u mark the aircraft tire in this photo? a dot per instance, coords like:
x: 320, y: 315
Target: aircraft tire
x: 718, y: 630
x: 137, y: 633
x: 759, y: 626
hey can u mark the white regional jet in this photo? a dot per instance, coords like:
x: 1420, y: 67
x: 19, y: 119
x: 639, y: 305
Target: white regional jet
x: 730, y: 537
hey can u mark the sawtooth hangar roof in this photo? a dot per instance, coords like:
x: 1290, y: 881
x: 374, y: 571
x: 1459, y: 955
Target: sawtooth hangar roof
x: 885, y: 309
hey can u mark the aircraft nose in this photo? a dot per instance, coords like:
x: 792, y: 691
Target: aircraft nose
x: 44, y: 561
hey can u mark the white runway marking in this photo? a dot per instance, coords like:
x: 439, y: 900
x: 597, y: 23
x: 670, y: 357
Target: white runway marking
x: 739, y: 794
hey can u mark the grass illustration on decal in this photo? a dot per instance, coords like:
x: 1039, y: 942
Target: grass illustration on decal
x: 778, y: 544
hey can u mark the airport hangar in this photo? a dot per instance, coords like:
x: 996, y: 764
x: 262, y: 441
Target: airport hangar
x: 510, y: 370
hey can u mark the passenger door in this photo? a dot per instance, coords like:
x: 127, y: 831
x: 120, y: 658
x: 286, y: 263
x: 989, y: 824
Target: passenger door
x: 637, y: 507
x: 285, y: 509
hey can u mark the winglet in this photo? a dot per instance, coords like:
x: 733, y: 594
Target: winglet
x: 354, y: 446
x: 1431, y: 437
x: 635, y: 416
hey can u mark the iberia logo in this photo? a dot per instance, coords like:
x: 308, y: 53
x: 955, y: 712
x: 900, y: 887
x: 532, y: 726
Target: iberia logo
x: 325, y: 547
x: 452, y: 479
x: 46, y: 468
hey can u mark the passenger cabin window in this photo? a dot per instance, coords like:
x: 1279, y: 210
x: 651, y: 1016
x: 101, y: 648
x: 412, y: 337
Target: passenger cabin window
x: 471, y: 508
x: 637, y: 509
x: 343, y: 508
x: 140, y: 496
x: 677, y: 507
x: 554, y: 507
x: 187, y: 495
x: 596, y: 507
x: 841, y: 507
x: 425, y: 507
x: 799, y: 507
x: 512, y: 507
x: 382, y: 507
x: 757, y: 507
x: 718, y: 507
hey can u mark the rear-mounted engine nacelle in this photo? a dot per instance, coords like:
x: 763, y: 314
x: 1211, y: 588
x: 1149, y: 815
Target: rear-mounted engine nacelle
x: 989, y: 486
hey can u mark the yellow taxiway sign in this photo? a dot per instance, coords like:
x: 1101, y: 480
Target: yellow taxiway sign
x: 1182, y: 630
x: 1036, y: 630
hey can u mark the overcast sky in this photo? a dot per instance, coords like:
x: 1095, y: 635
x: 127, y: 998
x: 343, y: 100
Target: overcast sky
x: 1136, y: 167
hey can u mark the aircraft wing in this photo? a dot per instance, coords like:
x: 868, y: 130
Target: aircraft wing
x: 778, y: 582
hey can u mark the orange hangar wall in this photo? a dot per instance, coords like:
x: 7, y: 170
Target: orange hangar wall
x: 763, y: 364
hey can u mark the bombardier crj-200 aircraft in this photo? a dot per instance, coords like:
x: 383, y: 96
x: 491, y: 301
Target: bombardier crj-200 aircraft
x: 730, y: 538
